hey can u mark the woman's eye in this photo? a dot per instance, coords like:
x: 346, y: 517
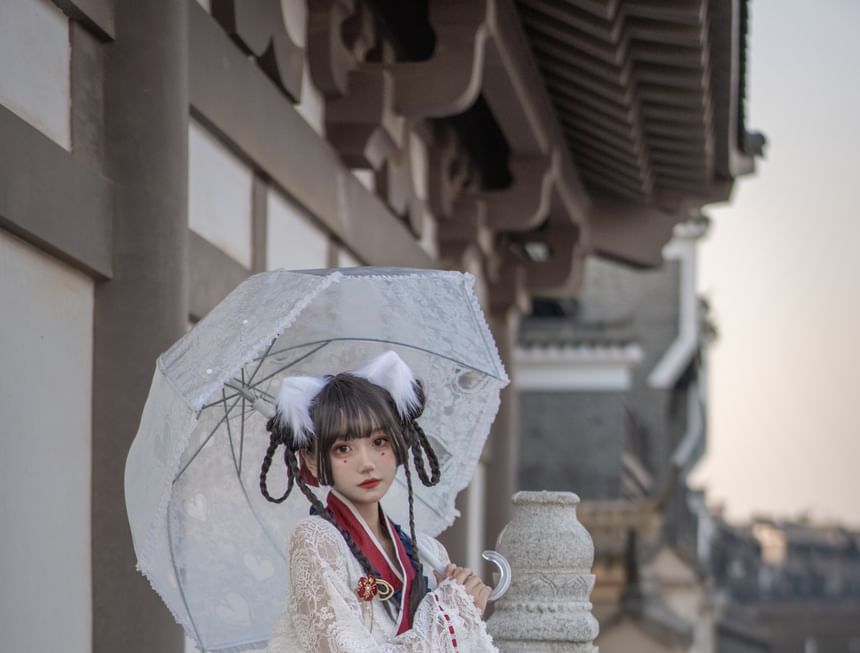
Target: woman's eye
x: 342, y: 449
x: 380, y: 442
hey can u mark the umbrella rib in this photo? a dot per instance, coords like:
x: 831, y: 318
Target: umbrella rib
x: 253, y: 374
x: 288, y: 366
x: 217, y: 402
x: 262, y: 358
x: 391, y: 342
x: 242, y: 427
x: 244, y: 491
x: 179, y: 578
x: 203, y: 444
x: 256, y: 386
x: 257, y: 369
x: 230, y: 433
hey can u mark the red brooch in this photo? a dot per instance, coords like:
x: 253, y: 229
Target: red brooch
x: 367, y: 588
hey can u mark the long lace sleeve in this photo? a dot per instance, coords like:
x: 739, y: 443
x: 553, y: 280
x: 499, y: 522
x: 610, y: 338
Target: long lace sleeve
x: 325, y: 615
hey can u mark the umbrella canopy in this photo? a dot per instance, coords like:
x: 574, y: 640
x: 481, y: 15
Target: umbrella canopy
x: 212, y: 547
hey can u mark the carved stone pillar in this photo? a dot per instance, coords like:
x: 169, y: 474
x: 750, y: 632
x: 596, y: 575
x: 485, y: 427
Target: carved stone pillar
x: 547, y: 607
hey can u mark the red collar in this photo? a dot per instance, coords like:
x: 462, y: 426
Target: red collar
x: 347, y: 518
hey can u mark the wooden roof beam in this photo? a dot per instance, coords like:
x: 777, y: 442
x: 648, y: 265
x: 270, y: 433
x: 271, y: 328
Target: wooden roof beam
x: 630, y: 231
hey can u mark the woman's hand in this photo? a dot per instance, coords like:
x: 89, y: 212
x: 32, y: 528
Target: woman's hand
x: 472, y: 583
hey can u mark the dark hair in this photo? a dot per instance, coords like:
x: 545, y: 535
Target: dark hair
x: 347, y: 408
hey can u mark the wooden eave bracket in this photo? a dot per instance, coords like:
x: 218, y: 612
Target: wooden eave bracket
x: 630, y: 232
x: 360, y: 119
x: 479, y: 48
x: 394, y: 184
x: 444, y: 85
x: 363, y: 126
x: 519, y: 100
x: 449, y: 82
x: 257, y: 27
x: 466, y: 228
x: 525, y: 205
x: 448, y: 173
x: 561, y: 275
x: 329, y: 60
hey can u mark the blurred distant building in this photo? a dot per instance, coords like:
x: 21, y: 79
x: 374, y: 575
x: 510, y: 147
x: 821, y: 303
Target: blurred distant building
x: 800, y: 580
x: 781, y: 560
x: 157, y: 153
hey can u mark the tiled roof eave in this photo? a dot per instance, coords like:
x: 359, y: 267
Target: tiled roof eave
x: 641, y: 97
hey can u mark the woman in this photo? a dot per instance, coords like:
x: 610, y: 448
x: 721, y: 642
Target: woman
x: 356, y: 581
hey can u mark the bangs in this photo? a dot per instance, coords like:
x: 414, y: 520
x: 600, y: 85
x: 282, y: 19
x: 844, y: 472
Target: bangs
x: 351, y: 417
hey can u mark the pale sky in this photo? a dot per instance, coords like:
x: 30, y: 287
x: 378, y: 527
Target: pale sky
x: 781, y: 268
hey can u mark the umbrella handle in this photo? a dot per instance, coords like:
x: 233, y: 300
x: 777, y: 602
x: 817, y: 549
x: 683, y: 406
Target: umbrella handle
x: 504, y: 573
x: 494, y: 557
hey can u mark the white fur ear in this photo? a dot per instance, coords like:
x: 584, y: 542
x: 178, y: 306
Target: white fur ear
x: 390, y: 372
x: 294, y: 403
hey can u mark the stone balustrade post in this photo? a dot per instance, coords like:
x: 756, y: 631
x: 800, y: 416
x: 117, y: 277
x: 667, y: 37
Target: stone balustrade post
x: 547, y: 607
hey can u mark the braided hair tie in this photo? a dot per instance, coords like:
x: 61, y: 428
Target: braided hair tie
x: 421, y: 447
x: 277, y: 437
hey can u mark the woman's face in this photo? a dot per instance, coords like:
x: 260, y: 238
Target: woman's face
x: 363, y: 469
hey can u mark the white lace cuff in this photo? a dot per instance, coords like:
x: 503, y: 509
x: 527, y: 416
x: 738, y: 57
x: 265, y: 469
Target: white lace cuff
x: 466, y: 626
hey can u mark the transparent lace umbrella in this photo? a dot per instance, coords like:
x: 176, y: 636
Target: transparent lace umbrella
x: 212, y: 547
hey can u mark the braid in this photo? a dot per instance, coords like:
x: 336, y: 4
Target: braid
x: 275, y: 439
x: 422, y: 442
x: 325, y: 514
x: 418, y: 588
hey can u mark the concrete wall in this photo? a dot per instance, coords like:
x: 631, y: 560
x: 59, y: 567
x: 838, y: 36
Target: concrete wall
x: 34, y: 81
x: 293, y: 240
x: 572, y: 442
x: 219, y: 194
x: 45, y: 396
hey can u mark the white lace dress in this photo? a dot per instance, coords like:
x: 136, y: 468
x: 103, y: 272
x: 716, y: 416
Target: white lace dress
x: 322, y: 614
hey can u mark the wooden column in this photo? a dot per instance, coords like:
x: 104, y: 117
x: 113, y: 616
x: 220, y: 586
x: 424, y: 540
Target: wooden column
x: 509, y: 300
x: 144, y: 307
x: 504, y: 436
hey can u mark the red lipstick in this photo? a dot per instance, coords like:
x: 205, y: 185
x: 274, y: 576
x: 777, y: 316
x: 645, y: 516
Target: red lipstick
x: 370, y: 483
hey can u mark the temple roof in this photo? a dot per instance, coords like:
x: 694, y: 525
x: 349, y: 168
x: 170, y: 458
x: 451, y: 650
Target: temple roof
x: 650, y: 96
x: 646, y: 92
x: 554, y: 129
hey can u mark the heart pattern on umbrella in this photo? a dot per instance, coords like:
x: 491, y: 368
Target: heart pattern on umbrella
x: 261, y: 568
x: 233, y: 609
x: 197, y: 508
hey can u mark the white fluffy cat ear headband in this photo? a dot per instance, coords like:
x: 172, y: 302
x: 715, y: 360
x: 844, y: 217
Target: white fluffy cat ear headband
x: 386, y: 370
